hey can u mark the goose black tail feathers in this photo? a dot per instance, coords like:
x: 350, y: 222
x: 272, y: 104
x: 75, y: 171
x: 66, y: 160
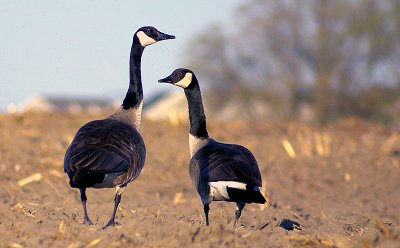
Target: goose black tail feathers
x: 245, y: 196
x: 86, y: 179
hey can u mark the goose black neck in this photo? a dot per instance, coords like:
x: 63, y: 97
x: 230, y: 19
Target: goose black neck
x: 197, y: 117
x: 134, y: 96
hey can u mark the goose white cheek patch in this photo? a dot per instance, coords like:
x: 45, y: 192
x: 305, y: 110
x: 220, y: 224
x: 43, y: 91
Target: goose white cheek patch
x: 144, y: 39
x: 185, y: 81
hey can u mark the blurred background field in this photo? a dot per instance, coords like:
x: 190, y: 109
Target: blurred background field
x: 310, y: 60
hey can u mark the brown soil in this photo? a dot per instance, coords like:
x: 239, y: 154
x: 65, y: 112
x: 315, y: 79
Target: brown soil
x: 341, y: 185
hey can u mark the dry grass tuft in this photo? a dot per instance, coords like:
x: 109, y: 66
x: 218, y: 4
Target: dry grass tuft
x: 61, y: 231
x: 288, y: 148
x: 21, y: 208
x: 309, y: 143
x: 314, y: 241
x: 27, y: 180
x: 14, y: 245
x: 93, y: 243
x: 179, y: 198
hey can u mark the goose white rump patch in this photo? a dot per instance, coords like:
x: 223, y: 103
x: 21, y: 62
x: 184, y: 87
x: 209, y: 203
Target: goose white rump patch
x: 144, y: 39
x: 218, y: 190
x: 108, y: 181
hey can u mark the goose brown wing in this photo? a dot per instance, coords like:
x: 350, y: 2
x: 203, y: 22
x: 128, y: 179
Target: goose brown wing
x: 105, y: 146
x: 226, y: 162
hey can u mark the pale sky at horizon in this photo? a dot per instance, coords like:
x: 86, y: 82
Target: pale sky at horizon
x: 81, y: 48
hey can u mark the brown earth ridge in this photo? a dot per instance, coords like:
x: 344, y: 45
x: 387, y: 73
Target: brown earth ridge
x: 336, y: 185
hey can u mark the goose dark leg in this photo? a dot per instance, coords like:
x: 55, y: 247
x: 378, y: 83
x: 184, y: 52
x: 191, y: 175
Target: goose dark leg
x: 86, y: 219
x: 238, y: 213
x: 206, y: 210
x: 111, y: 222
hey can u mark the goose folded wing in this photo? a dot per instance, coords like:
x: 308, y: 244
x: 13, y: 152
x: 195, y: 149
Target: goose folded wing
x: 227, y: 168
x: 96, y: 148
x: 93, y: 158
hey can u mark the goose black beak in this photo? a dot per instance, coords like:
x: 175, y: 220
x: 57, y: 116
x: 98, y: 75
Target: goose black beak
x: 163, y: 36
x: 166, y: 80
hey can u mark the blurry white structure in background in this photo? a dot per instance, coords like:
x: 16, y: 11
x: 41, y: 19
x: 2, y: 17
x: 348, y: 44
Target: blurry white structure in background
x: 158, y: 106
x: 66, y: 104
x: 38, y: 104
x: 12, y: 108
x: 172, y: 107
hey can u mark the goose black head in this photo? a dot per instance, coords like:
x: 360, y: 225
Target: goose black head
x: 180, y: 77
x: 149, y: 35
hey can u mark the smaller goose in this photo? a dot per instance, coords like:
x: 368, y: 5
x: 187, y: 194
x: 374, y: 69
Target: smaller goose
x: 110, y: 153
x: 220, y: 172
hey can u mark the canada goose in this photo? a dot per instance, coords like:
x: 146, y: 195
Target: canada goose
x: 110, y: 152
x: 220, y: 172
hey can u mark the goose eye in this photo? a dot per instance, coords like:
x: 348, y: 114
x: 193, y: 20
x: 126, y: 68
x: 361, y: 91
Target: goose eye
x: 148, y: 31
x: 181, y: 73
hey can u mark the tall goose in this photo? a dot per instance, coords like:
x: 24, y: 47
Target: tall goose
x: 220, y: 172
x: 110, y: 152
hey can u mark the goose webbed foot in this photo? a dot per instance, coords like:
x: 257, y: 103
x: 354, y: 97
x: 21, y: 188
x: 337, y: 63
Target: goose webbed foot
x: 87, y: 221
x: 111, y: 222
